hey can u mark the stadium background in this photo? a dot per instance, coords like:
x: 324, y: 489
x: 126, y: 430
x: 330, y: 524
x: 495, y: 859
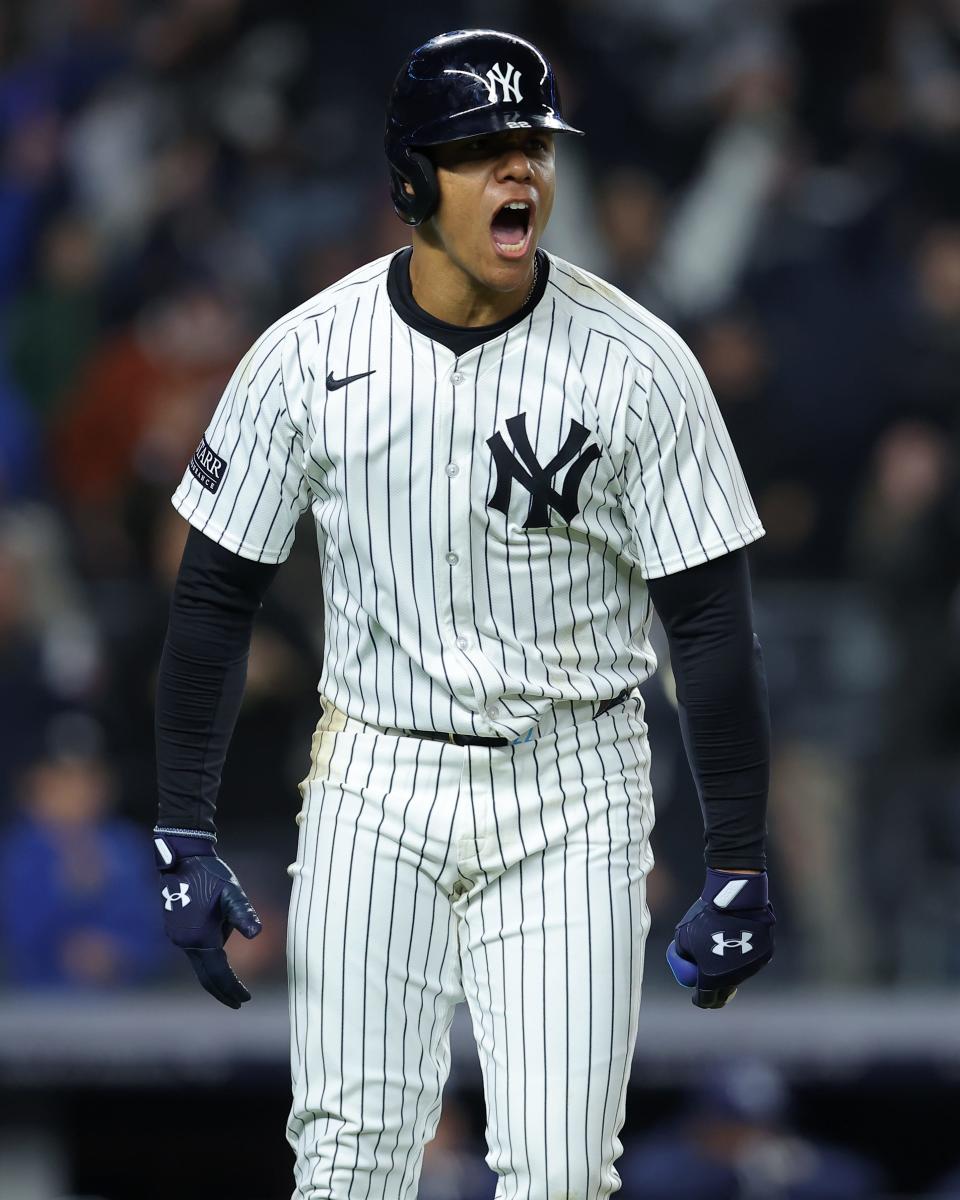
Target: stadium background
x: 778, y: 179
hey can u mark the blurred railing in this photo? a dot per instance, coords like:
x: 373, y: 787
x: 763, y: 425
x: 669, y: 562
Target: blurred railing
x: 149, y: 1040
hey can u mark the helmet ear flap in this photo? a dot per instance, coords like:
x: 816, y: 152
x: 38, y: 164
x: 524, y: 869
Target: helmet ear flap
x: 419, y: 172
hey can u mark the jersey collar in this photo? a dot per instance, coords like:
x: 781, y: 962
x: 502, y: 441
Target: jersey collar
x: 457, y: 338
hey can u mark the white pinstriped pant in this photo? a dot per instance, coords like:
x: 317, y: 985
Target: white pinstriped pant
x: 514, y: 878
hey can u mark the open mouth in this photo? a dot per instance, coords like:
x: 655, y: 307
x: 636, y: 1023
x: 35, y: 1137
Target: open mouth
x: 511, y: 228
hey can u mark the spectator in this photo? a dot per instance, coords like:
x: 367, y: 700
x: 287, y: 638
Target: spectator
x: 904, y: 547
x: 150, y: 385
x: 53, y: 324
x: 49, y: 653
x: 930, y: 364
x: 735, y: 1142
x: 78, y: 907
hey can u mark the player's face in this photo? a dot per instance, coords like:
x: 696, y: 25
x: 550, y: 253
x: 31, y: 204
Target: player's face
x: 496, y: 193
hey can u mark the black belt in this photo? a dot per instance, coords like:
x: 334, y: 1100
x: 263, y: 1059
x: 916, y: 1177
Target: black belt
x: 471, y: 739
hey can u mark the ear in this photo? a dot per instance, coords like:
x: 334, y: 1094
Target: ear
x: 408, y: 187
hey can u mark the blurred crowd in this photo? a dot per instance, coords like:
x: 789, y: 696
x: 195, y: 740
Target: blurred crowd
x: 780, y: 180
x: 738, y: 1134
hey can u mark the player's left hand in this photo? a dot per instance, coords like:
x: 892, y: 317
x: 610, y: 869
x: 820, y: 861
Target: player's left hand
x: 203, y: 904
x: 726, y: 937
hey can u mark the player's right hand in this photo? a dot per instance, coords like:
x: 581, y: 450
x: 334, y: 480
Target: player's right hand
x: 203, y: 903
x: 724, y: 938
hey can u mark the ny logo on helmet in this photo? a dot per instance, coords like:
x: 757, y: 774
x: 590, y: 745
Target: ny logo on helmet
x: 524, y: 467
x: 183, y: 896
x: 508, y: 80
x: 720, y: 943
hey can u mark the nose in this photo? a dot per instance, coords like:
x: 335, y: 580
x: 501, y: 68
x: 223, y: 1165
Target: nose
x: 514, y: 165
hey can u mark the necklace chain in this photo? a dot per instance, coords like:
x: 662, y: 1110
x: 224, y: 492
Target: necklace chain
x: 533, y: 285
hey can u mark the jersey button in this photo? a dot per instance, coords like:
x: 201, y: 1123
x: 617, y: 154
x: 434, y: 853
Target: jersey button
x: 456, y: 377
x: 492, y: 710
x: 453, y: 559
x: 463, y: 643
x: 452, y: 469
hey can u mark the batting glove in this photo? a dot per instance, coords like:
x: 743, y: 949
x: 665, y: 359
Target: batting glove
x: 203, y: 903
x: 726, y: 937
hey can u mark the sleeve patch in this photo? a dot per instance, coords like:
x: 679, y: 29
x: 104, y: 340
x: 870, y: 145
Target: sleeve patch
x: 207, y: 467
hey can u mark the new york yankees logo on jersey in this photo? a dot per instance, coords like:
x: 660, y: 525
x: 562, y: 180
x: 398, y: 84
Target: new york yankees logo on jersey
x: 523, y: 467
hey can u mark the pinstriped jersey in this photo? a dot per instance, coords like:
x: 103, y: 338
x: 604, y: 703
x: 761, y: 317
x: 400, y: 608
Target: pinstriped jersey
x: 485, y: 522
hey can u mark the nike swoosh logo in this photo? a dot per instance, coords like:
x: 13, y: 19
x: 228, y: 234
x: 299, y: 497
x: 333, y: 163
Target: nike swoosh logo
x: 333, y: 384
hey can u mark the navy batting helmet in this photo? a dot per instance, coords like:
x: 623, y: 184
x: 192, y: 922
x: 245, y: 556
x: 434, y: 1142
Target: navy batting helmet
x: 460, y: 85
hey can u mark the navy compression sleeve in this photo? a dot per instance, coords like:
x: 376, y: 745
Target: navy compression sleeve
x: 203, y: 670
x: 707, y: 613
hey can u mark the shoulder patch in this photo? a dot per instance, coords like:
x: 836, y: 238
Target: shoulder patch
x: 207, y: 467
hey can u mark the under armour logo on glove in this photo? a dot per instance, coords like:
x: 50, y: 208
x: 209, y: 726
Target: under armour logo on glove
x: 733, y: 913
x: 720, y: 943
x: 183, y: 896
x: 203, y: 904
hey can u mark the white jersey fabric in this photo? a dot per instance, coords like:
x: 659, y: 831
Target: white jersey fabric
x: 513, y: 879
x: 486, y: 523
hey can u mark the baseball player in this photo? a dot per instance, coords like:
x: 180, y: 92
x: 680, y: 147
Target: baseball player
x: 509, y: 464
